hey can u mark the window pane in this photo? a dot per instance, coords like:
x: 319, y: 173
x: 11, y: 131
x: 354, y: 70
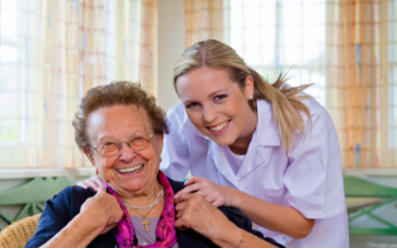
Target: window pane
x: 288, y: 36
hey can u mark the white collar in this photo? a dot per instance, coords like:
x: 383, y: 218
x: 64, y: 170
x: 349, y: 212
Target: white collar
x: 267, y: 131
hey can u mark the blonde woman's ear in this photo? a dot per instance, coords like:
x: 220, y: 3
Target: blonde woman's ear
x: 249, y: 87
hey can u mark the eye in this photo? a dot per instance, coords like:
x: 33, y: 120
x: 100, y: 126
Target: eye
x: 137, y: 138
x: 107, y: 146
x: 192, y: 105
x: 220, y: 97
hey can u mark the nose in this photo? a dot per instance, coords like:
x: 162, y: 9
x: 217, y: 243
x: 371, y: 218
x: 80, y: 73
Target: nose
x: 209, y: 114
x: 126, y: 153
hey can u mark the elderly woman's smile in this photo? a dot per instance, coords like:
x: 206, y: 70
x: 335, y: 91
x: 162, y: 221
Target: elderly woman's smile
x: 132, y: 170
x: 117, y: 130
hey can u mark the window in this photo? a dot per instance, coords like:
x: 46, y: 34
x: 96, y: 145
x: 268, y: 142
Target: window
x: 8, y: 73
x: 287, y: 36
x: 347, y: 49
x: 51, y: 53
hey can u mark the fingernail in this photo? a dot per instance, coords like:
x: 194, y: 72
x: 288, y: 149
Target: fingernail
x: 176, y: 196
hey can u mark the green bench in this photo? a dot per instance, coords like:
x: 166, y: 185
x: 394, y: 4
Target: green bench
x: 31, y: 196
x: 358, y: 187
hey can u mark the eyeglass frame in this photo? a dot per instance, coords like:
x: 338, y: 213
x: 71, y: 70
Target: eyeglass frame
x: 125, y: 141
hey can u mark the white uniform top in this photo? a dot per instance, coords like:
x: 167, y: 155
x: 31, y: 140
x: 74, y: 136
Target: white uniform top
x: 309, y: 178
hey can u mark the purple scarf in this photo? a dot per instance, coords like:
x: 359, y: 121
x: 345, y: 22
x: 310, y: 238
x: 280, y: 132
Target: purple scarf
x: 165, y: 231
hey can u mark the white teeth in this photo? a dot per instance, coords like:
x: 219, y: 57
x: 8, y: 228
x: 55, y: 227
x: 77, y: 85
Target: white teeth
x: 132, y: 169
x: 219, y: 127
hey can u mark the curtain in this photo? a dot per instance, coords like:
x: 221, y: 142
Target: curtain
x: 363, y: 80
x: 346, y: 48
x: 51, y: 53
x: 204, y: 19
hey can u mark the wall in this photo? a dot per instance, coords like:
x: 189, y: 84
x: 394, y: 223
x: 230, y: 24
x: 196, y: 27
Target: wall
x: 171, y: 43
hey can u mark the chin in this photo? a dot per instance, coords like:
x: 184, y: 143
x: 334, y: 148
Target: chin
x: 223, y: 141
x: 132, y: 185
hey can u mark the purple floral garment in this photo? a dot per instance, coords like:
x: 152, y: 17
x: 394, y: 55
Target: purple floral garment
x: 165, y: 232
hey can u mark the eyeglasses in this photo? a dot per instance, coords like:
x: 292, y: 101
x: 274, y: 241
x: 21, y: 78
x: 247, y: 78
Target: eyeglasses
x: 111, y: 148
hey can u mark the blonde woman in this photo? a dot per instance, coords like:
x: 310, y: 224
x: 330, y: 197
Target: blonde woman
x: 269, y: 150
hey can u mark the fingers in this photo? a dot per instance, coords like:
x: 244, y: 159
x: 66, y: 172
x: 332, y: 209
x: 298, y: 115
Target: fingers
x: 183, y: 197
x: 194, y: 179
x: 179, y: 209
x: 102, y: 189
x: 91, y: 184
x: 217, y: 203
x: 180, y: 224
x: 108, y: 228
x: 188, y: 189
x: 82, y: 185
x: 97, y: 180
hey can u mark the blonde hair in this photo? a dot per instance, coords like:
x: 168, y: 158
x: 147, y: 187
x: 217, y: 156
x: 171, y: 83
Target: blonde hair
x: 285, y: 101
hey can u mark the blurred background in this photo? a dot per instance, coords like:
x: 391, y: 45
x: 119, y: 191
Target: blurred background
x: 53, y: 51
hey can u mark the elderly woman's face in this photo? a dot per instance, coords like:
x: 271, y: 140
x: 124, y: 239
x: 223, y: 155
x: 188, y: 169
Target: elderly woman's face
x: 120, y: 123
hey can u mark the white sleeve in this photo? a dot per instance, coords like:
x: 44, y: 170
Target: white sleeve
x: 175, y: 155
x: 314, y: 178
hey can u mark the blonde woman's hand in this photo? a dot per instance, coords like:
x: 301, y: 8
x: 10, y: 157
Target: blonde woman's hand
x: 93, y: 182
x: 216, y: 194
x: 102, y: 209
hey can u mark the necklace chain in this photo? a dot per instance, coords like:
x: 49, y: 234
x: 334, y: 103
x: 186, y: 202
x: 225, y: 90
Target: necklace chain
x: 157, y: 200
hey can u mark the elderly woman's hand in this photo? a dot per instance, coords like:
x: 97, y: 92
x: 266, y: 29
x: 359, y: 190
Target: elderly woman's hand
x: 93, y: 182
x: 98, y: 215
x: 195, y: 212
x: 104, y: 208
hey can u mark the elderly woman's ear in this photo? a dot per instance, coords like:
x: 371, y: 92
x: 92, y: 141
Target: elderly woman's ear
x: 90, y: 155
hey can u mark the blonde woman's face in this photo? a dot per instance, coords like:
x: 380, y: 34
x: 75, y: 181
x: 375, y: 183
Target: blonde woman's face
x: 217, y: 106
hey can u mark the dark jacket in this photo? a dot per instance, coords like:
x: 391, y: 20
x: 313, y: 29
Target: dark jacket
x: 62, y: 208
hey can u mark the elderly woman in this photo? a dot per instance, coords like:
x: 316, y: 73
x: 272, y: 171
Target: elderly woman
x: 120, y: 129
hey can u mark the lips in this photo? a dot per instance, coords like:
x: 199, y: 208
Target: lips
x: 218, y: 127
x: 131, y: 170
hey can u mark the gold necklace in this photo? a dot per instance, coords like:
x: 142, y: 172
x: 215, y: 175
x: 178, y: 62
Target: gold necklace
x: 145, y: 222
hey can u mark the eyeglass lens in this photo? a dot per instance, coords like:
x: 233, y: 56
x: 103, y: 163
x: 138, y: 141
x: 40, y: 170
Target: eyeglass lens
x: 108, y: 148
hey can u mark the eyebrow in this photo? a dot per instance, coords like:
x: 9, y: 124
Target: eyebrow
x: 106, y: 138
x: 211, y: 95
x: 216, y: 92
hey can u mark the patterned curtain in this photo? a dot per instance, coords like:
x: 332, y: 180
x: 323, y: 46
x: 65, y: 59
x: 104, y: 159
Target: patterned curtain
x: 347, y: 48
x: 363, y: 80
x: 51, y: 53
x: 205, y: 19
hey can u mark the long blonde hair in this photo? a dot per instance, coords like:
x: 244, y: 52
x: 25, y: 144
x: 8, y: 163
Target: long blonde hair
x: 285, y: 101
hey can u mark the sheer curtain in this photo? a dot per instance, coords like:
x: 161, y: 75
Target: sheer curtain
x: 205, y: 19
x: 363, y: 80
x: 347, y: 48
x: 51, y: 53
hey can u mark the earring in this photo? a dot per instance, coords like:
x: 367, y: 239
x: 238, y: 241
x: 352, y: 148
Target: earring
x: 251, y: 97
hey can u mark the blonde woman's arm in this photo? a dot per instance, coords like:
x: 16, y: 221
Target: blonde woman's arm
x: 283, y: 219
x: 226, y: 228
